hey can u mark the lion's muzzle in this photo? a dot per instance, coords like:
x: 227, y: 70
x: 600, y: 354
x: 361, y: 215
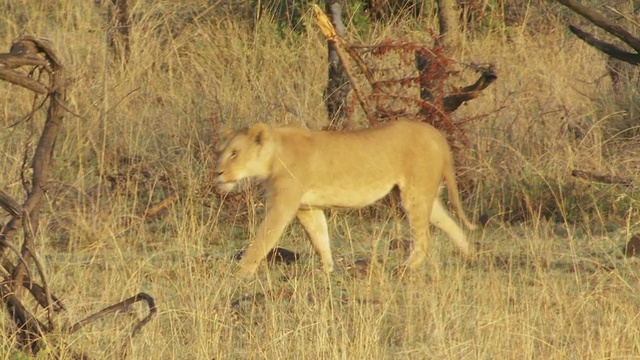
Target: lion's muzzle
x: 221, y: 183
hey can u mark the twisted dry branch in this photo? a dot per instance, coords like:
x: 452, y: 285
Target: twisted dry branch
x: 31, y: 51
x: 37, y: 52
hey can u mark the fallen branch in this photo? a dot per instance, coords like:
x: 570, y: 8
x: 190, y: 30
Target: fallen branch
x: 160, y: 206
x: 31, y: 51
x: 121, y: 306
x: 31, y: 330
x: 605, y: 179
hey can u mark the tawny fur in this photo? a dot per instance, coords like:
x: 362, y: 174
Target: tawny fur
x: 307, y: 171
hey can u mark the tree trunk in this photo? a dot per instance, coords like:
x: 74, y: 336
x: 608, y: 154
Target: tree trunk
x: 448, y: 39
x: 335, y: 95
x: 448, y: 19
x: 119, y: 33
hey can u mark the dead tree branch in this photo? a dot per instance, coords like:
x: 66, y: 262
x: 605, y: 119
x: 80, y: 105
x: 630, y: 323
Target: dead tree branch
x: 603, y: 23
x: 600, y: 178
x: 433, y: 68
x: 121, y: 306
x: 605, y: 47
x: 30, y: 329
x: 609, y: 26
x: 18, y: 56
x: 9, y: 204
x: 452, y: 102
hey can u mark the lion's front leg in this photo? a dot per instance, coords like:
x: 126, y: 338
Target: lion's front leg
x: 281, y: 207
x: 315, y: 224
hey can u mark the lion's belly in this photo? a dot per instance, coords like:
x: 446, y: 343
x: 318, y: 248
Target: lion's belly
x: 345, y: 196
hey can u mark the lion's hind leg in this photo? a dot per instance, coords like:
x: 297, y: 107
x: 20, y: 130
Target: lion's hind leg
x: 418, y: 210
x: 315, y: 224
x: 442, y: 220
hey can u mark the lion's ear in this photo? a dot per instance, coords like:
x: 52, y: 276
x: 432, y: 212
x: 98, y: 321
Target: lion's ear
x: 224, y: 133
x: 259, y: 132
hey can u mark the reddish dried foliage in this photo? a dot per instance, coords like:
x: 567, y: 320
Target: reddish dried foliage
x: 401, y: 91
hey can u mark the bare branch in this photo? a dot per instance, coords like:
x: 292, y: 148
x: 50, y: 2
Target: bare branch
x: 37, y: 291
x: 13, y: 61
x: 160, y: 206
x: 121, y: 306
x: 42, y: 46
x: 605, y: 47
x: 32, y: 51
x: 29, y: 252
x: 17, y: 78
x: 604, y: 179
x: 451, y: 102
x: 10, y: 204
x: 602, y: 22
x: 30, y: 329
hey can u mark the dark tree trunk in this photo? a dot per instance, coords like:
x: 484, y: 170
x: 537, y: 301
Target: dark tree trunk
x: 335, y: 95
x: 432, y: 77
x: 119, y: 33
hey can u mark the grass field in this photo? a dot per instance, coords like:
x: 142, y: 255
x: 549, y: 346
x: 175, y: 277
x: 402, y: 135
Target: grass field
x: 548, y: 283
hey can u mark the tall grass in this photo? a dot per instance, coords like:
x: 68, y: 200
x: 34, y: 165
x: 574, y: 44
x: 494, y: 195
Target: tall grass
x: 550, y: 287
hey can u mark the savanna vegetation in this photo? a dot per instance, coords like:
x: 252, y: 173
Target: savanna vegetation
x: 550, y: 280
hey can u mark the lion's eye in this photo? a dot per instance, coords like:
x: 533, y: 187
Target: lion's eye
x: 234, y: 153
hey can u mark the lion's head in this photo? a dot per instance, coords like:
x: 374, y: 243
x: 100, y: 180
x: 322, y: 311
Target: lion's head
x: 247, y: 153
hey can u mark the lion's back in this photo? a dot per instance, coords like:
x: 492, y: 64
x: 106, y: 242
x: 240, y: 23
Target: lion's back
x: 384, y: 153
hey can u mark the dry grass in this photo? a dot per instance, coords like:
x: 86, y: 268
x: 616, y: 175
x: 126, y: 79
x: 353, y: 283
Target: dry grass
x: 540, y: 289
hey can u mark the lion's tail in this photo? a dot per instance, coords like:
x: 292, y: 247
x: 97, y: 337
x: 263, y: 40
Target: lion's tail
x: 454, y: 196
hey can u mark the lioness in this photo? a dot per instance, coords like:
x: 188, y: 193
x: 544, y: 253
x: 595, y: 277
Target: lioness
x: 306, y: 171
